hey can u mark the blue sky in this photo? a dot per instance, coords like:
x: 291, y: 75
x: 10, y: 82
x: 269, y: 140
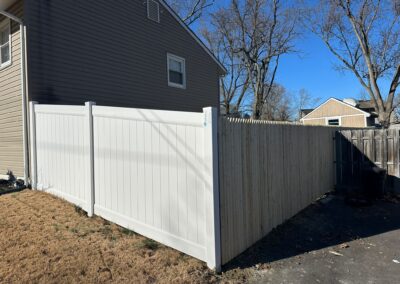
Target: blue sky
x: 313, y: 69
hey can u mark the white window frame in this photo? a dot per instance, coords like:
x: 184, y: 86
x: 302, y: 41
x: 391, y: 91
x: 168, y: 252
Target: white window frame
x: 148, y: 11
x: 183, y: 62
x: 339, y: 118
x: 6, y: 23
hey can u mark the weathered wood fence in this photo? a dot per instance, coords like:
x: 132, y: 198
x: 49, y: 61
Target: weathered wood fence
x: 268, y: 173
x: 357, y: 150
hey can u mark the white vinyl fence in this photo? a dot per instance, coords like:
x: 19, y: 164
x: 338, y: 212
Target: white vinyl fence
x: 62, y: 152
x: 155, y: 172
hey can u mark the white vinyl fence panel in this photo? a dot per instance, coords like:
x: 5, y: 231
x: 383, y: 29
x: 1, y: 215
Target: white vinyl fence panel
x: 154, y: 172
x: 62, y: 152
x: 148, y: 174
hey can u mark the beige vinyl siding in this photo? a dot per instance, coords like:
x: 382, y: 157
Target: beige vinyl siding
x: 11, y: 134
x: 333, y: 108
x: 346, y: 121
x: 353, y: 121
x: 111, y: 53
x: 319, y: 121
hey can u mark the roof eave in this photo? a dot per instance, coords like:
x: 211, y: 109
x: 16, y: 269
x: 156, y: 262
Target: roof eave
x: 196, y: 38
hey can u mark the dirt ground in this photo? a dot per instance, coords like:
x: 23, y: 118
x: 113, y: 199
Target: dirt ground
x: 46, y: 240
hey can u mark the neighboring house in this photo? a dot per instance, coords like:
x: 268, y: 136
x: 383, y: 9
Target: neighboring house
x: 127, y: 53
x: 394, y: 125
x: 347, y: 113
x: 304, y: 112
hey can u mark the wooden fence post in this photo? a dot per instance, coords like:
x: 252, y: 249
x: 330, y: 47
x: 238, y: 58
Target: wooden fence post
x: 90, y: 155
x: 32, y: 120
x: 211, y: 178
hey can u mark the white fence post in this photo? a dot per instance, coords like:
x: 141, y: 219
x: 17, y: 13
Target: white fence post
x: 90, y: 155
x: 211, y: 179
x: 33, y: 152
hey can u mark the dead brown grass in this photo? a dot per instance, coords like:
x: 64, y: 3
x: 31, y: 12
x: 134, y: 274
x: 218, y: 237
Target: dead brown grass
x: 44, y: 239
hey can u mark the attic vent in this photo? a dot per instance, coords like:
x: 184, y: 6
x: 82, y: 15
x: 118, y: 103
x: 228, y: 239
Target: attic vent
x: 153, y: 10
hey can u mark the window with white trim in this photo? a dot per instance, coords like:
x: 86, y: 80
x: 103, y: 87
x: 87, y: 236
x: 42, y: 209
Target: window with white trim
x: 176, y: 71
x: 334, y: 122
x: 5, y: 43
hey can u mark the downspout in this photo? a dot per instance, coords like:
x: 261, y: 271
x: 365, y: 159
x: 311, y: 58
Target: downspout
x: 23, y: 91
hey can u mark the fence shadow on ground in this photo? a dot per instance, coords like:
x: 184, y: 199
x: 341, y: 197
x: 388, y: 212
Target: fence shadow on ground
x: 321, y: 226
x: 329, y: 224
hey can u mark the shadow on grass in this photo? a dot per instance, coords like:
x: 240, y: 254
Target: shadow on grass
x: 319, y: 226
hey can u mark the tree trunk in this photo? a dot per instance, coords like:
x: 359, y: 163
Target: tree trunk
x: 227, y: 108
x: 258, y: 109
x: 384, y: 118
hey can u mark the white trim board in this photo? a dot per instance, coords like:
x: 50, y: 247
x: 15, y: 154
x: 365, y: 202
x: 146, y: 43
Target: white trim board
x: 194, y: 36
x: 339, y: 118
x: 322, y: 117
x: 339, y: 101
x: 182, y: 61
x: 7, y: 23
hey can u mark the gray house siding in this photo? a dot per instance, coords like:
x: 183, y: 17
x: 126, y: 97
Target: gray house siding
x: 11, y: 133
x: 111, y: 53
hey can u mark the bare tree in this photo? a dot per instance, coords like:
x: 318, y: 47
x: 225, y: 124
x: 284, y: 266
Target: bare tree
x: 190, y: 10
x: 235, y: 85
x: 365, y: 36
x: 278, y: 105
x: 302, y: 101
x: 261, y: 31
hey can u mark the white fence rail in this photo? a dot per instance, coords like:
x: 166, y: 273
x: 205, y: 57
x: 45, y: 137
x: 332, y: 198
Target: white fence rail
x: 154, y: 172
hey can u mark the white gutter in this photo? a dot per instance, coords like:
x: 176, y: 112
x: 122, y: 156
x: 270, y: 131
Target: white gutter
x: 23, y: 90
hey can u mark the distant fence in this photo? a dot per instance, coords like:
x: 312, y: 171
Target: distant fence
x: 269, y: 122
x: 357, y: 150
x: 269, y: 172
x: 154, y: 172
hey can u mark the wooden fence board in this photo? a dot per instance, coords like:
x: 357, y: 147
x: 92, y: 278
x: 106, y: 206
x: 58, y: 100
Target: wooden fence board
x: 269, y: 172
x: 360, y: 149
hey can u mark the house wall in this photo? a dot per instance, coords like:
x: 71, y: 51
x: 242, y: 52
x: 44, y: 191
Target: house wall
x: 346, y: 121
x: 318, y: 121
x: 111, y: 53
x: 11, y: 134
x: 349, y: 116
x: 354, y: 121
x: 333, y: 108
